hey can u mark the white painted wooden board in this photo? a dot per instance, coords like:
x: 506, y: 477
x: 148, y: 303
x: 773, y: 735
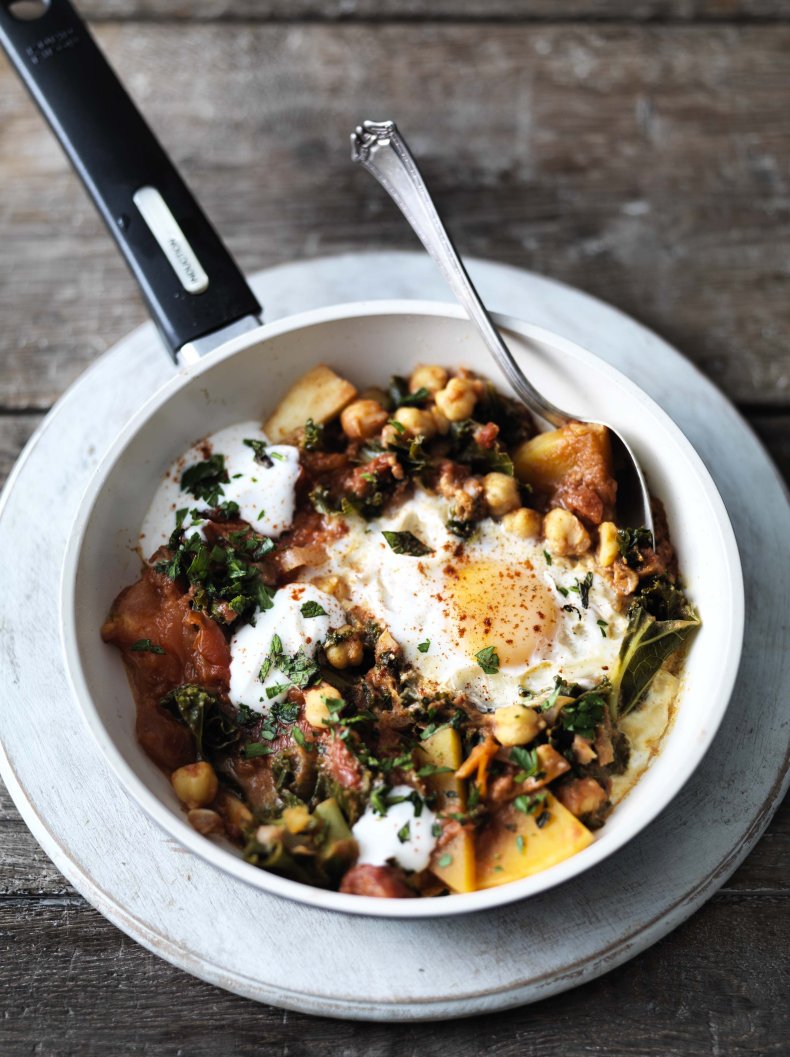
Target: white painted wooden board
x: 301, y: 958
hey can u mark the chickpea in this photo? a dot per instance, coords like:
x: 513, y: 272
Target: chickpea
x: 565, y: 534
x: 457, y: 400
x: 196, y: 784
x: 416, y: 421
x: 501, y: 493
x: 205, y: 821
x: 316, y: 710
x: 440, y: 420
x: 431, y: 378
x: 363, y: 419
x: 235, y: 811
x: 608, y: 548
x: 516, y: 725
x: 389, y: 435
x: 347, y: 653
x: 524, y: 523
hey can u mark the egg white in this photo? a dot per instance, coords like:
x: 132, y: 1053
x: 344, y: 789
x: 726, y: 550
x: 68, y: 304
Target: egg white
x: 410, y: 596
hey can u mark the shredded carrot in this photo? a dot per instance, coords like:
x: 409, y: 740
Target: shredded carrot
x: 478, y: 760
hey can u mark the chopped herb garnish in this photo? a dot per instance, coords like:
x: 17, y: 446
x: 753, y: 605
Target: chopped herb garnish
x: 278, y: 688
x: 404, y: 833
x: 299, y: 738
x: 444, y: 860
x: 562, y: 590
x: 146, y: 646
x: 603, y: 626
x: 312, y: 609
x: 262, y: 456
x: 527, y: 760
x: 582, y: 589
x: 256, y: 749
x: 572, y: 609
x: 313, y: 436
x: 431, y: 769
x: 521, y: 844
x: 547, y: 556
x: 406, y: 543
x: 278, y: 455
x: 584, y: 714
x: 488, y: 659
x: 436, y: 829
x: 542, y: 819
x: 262, y: 514
x: 397, y: 426
x: 204, y: 480
x: 423, y: 647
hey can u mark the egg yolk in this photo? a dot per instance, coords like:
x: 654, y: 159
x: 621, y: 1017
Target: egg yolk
x: 501, y: 605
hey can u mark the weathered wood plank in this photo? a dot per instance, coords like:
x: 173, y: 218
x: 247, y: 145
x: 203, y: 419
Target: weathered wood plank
x: 15, y: 431
x: 434, y: 10
x: 716, y: 986
x: 646, y: 165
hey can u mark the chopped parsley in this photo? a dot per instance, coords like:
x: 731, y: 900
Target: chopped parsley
x: 406, y: 543
x: 312, y: 609
x: 582, y: 589
x: 404, y: 833
x: 527, y: 760
x: 146, y: 646
x: 488, y: 659
x: 431, y: 769
x: 521, y: 844
x: 603, y: 626
x: 547, y: 556
x: 257, y: 748
x: 584, y: 714
x: 205, y: 479
x: 313, y: 436
x: 423, y: 647
x: 444, y: 860
x: 300, y: 670
x: 261, y: 455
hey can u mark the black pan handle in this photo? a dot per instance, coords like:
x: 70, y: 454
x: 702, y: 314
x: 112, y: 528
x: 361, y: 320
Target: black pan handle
x: 191, y: 283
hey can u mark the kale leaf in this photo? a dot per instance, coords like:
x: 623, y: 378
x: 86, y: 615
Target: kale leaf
x: 211, y: 727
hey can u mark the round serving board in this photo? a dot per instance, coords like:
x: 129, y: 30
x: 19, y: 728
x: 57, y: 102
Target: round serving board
x: 315, y: 961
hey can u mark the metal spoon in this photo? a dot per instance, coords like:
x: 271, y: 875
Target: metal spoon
x: 381, y: 149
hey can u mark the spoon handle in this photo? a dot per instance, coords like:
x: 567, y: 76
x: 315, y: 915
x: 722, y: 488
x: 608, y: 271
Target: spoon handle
x: 380, y: 148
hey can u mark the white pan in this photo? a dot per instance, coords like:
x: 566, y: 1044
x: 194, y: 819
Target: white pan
x: 198, y: 298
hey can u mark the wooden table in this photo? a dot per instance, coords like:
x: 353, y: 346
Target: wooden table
x: 638, y: 149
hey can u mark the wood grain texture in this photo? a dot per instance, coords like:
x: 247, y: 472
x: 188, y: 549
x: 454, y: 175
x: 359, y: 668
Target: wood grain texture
x: 648, y: 166
x: 725, y: 997
x: 437, y: 10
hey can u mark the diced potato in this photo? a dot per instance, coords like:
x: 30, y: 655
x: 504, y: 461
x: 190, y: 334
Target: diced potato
x: 455, y: 863
x: 547, y: 458
x: 296, y: 818
x: 443, y: 749
x: 320, y: 395
x: 502, y: 857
